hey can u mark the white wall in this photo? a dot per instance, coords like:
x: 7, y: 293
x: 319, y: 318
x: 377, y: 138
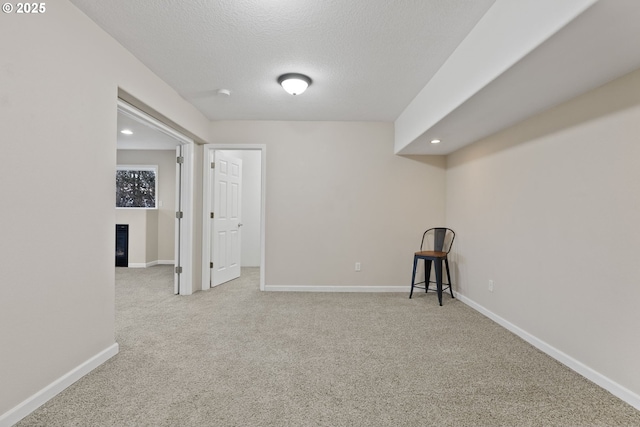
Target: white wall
x: 548, y: 209
x: 143, y: 235
x: 251, y: 198
x: 59, y: 80
x: 336, y: 194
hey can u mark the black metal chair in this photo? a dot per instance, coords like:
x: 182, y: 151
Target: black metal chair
x: 434, y: 250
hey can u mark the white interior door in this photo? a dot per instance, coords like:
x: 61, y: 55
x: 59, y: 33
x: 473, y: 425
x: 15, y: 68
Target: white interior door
x: 226, y: 219
x: 178, y: 224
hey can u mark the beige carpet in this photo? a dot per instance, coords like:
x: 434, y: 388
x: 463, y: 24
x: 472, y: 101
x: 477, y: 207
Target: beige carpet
x: 234, y: 356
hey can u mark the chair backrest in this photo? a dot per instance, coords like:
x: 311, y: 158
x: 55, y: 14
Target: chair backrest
x: 438, y: 239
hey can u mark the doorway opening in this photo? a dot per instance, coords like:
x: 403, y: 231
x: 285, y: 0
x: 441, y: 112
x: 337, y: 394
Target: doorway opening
x: 178, y: 170
x: 235, y: 234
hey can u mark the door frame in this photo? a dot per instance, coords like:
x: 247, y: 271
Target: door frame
x: 185, y: 243
x: 207, y: 204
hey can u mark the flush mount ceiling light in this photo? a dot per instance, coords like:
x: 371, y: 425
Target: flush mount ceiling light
x: 294, y: 83
x: 126, y: 132
x: 435, y: 141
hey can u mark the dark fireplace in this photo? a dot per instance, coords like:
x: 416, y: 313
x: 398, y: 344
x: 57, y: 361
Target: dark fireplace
x: 122, y: 245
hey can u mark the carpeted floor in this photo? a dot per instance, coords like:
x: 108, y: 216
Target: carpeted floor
x: 235, y: 356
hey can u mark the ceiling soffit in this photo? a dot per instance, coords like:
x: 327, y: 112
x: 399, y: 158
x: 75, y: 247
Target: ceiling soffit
x: 595, y: 46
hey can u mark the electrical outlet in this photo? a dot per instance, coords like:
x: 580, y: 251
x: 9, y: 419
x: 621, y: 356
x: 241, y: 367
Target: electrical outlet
x: 358, y: 266
x: 490, y: 285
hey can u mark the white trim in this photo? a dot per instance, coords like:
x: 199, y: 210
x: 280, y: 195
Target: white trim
x: 138, y: 265
x: 608, y: 384
x: 177, y: 223
x: 186, y: 235
x: 207, y: 207
x: 150, y: 264
x: 142, y: 264
x: 207, y: 202
x: 12, y: 416
x: 186, y: 240
x: 142, y: 117
x: 290, y: 288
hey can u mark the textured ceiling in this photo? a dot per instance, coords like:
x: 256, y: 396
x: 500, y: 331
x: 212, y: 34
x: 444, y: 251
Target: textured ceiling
x: 367, y: 58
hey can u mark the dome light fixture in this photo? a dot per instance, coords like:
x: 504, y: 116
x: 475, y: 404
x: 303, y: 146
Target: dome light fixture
x: 294, y: 83
x: 435, y: 141
x: 126, y: 132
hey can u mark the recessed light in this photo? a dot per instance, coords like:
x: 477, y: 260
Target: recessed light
x: 126, y: 132
x: 435, y: 141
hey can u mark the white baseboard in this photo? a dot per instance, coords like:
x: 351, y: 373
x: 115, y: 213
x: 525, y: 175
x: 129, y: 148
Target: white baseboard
x: 29, y: 405
x: 150, y: 264
x: 137, y: 265
x: 286, y: 288
x: 611, y: 386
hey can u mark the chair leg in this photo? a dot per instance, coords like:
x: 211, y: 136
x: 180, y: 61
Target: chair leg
x: 439, y: 279
x: 446, y: 264
x: 427, y: 274
x: 413, y: 276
